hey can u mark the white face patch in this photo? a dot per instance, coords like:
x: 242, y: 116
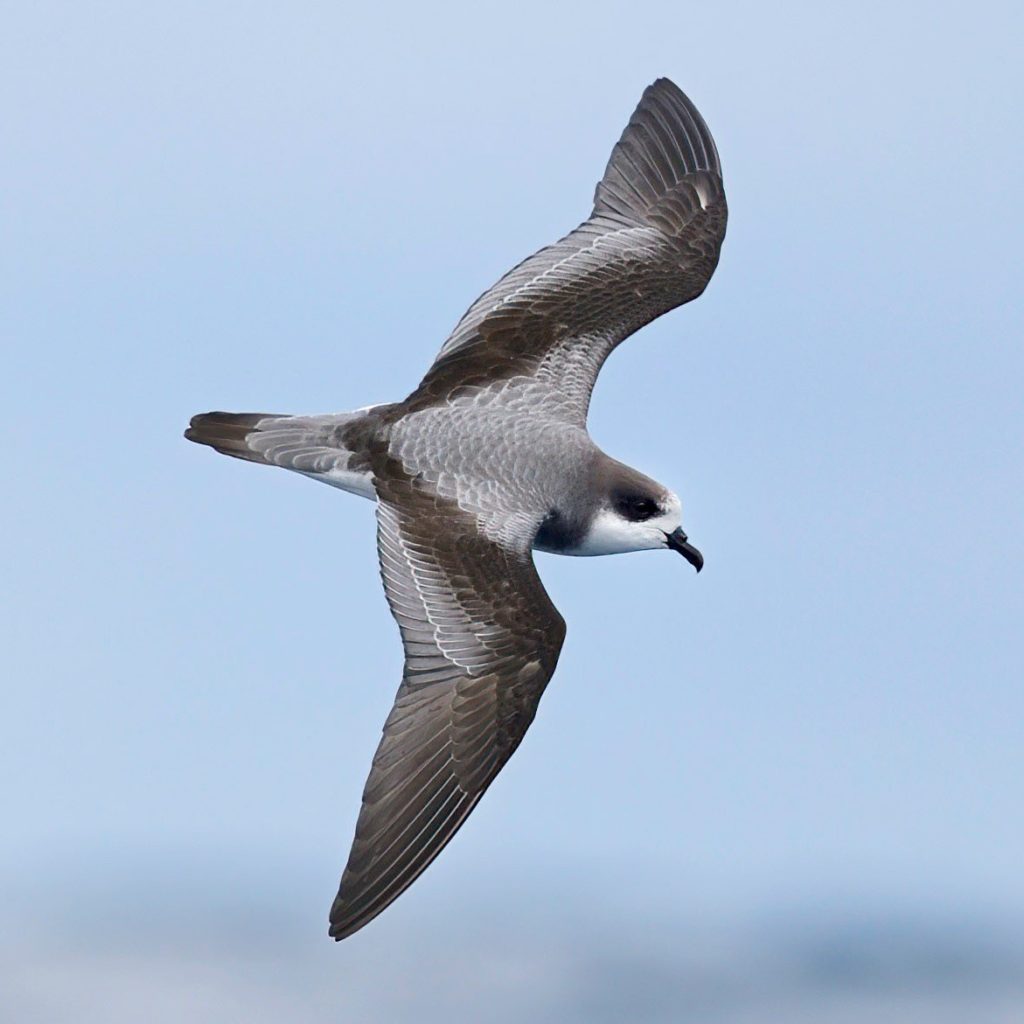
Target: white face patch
x: 611, y: 534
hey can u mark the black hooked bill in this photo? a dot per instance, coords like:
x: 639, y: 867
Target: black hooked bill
x: 677, y: 542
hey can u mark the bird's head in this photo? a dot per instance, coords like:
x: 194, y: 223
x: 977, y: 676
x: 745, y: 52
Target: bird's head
x: 636, y: 513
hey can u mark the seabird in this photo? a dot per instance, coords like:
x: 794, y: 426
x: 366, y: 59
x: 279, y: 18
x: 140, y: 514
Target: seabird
x: 488, y: 459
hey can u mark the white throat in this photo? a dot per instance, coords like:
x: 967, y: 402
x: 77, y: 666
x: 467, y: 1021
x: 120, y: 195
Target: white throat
x: 611, y: 534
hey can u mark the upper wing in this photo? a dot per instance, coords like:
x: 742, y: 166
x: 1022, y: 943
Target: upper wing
x: 481, y: 641
x: 651, y: 243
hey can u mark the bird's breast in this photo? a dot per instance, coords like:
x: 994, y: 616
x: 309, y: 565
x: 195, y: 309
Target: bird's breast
x: 560, y: 532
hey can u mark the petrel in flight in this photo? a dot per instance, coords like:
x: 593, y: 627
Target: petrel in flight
x: 489, y: 459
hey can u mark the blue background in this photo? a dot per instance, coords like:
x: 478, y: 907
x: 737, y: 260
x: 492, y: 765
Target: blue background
x: 789, y: 789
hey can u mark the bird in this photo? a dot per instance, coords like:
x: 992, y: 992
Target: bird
x: 488, y: 460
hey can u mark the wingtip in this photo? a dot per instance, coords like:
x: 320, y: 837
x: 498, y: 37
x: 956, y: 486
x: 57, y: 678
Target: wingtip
x: 665, y: 86
x: 665, y: 143
x: 342, y: 926
x: 664, y: 82
x: 341, y: 922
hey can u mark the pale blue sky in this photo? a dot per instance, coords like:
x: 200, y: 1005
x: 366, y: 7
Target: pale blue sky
x: 816, y: 745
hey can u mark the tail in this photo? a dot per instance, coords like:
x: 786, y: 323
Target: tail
x: 332, y: 449
x: 227, y: 432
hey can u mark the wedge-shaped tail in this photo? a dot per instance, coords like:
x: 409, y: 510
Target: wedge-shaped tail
x: 330, y: 448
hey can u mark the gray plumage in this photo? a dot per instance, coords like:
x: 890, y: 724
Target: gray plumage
x: 488, y: 459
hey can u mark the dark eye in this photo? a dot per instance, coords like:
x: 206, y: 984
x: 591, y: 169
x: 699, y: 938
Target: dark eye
x: 636, y: 508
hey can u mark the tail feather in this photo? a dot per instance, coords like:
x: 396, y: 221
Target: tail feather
x: 226, y: 432
x: 331, y: 448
